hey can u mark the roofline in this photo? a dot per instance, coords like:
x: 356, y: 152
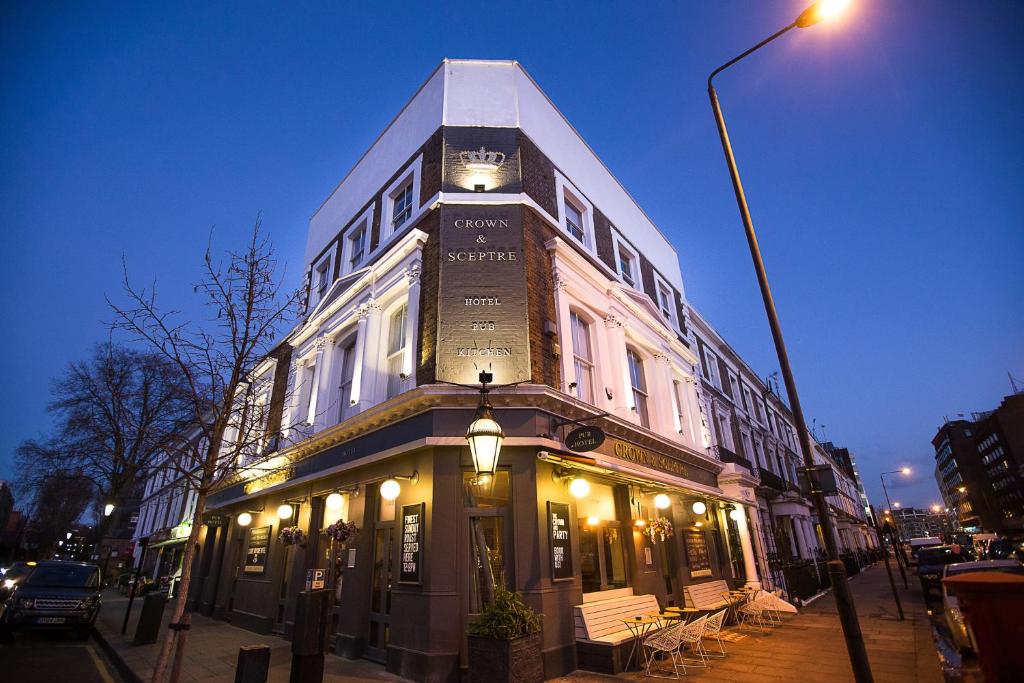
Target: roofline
x: 515, y: 64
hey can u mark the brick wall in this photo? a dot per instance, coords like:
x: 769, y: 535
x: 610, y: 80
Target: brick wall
x: 425, y: 357
x: 540, y: 291
x: 283, y: 355
x: 603, y: 239
x: 538, y: 175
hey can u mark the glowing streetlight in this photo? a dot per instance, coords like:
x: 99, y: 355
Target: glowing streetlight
x: 905, y: 470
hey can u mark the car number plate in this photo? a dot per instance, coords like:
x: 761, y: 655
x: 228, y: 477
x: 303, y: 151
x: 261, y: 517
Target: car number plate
x: 50, y: 620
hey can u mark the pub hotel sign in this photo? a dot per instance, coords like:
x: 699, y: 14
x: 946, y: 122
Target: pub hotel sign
x: 482, y: 321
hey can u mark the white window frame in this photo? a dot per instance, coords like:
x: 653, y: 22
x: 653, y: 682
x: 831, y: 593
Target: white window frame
x: 399, y: 353
x: 325, y: 264
x: 366, y: 222
x: 660, y: 284
x: 411, y: 174
x: 589, y: 365
x: 563, y: 189
x: 619, y: 243
x: 644, y: 391
x: 714, y: 371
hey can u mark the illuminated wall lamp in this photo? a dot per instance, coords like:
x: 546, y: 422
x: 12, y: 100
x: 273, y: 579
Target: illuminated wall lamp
x: 390, y: 488
x: 244, y: 519
x: 593, y: 520
x: 334, y: 501
x: 662, y: 501
x: 699, y: 507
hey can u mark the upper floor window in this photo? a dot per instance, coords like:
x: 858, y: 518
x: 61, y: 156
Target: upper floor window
x: 665, y: 303
x: 348, y: 366
x: 323, y: 278
x: 734, y: 386
x: 639, y: 386
x: 574, y: 221
x: 757, y: 411
x: 401, y: 206
x: 396, y: 350
x: 677, y: 398
x: 357, y: 247
x: 711, y: 369
x: 745, y: 397
x: 627, y: 267
x: 583, y: 358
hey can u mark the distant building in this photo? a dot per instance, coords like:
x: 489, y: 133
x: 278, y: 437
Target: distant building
x: 979, y: 467
x: 918, y: 523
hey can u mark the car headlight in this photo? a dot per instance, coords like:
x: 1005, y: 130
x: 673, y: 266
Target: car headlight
x: 9, y: 583
x: 26, y: 603
x: 90, y: 601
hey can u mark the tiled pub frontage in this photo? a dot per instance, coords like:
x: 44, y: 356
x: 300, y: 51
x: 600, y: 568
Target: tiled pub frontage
x: 559, y: 527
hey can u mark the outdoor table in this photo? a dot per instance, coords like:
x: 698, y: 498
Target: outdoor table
x: 686, y: 612
x: 639, y: 627
x: 667, y: 615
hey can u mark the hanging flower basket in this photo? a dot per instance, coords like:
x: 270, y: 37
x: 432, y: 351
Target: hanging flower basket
x: 658, y: 529
x: 292, y: 535
x: 342, y: 531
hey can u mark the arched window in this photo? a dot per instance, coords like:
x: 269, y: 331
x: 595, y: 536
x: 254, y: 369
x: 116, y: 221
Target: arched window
x: 396, y: 350
x: 639, y: 384
x: 583, y: 358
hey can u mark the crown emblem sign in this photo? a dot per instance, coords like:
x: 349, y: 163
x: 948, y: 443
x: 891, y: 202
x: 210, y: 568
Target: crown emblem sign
x: 482, y: 160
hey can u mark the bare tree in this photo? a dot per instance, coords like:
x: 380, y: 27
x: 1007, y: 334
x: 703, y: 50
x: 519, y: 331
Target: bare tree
x: 58, y: 502
x: 217, y: 360
x: 114, y: 413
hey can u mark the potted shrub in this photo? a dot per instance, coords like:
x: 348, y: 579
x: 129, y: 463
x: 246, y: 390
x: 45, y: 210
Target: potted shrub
x: 504, y: 642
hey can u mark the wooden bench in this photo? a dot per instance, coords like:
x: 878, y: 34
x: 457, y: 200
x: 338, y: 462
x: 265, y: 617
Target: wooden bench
x: 603, y: 641
x: 709, y: 595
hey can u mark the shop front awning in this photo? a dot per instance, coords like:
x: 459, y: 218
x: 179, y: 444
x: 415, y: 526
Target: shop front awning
x: 632, y: 473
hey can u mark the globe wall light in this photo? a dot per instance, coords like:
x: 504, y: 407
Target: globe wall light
x: 285, y: 511
x: 334, y: 501
x: 390, y: 489
x: 244, y: 519
x: 593, y: 520
x: 735, y: 514
x: 662, y: 501
x: 699, y: 507
x: 484, y: 434
x: 579, y: 487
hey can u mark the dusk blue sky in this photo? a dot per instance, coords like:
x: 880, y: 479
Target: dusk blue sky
x: 882, y: 158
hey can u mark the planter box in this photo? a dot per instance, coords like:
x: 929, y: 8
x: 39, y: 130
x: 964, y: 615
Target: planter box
x: 498, y: 661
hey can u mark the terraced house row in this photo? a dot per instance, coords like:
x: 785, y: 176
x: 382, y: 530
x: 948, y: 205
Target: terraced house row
x: 481, y: 234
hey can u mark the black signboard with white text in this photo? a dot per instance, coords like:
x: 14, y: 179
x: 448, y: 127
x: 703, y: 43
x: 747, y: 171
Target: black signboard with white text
x: 256, y: 552
x: 561, y: 541
x: 411, y: 565
x: 583, y: 439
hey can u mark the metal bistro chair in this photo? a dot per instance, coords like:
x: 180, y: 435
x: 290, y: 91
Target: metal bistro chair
x: 713, y: 629
x: 752, y: 613
x: 664, y: 642
x: 691, y: 634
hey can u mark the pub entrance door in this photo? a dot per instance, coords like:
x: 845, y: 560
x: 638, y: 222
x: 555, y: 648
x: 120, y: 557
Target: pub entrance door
x: 380, y: 592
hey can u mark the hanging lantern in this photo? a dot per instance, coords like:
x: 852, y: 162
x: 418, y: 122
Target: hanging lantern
x: 484, y: 435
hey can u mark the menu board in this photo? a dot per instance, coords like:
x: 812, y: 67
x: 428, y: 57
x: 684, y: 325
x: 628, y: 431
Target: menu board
x: 256, y: 551
x: 411, y: 568
x: 697, y: 556
x: 561, y: 541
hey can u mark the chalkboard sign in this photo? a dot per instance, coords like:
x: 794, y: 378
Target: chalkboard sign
x: 561, y: 541
x: 411, y: 568
x: 256, y: 552
x: 697, y: 556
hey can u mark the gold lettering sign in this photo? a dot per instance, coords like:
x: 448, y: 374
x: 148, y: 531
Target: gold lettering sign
x: 267, y: 480
x: 642, y: 456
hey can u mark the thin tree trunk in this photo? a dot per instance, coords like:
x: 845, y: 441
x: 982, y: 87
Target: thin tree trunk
x: 180, y: 616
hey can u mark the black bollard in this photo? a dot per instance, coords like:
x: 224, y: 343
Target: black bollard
x: 152, y: 615
x: 253, y: 664
x: 308, y: 637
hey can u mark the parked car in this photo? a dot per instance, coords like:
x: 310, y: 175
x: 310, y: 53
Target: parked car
x: 1005, y: 549
x: 962, y: 636
x: 13, y: 575
x: 917, y: 544
x: 931, y: 562
x: 57, y: 594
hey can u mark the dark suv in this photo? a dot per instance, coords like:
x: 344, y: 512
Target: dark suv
x: 56, y: 595
x: 931, y: 562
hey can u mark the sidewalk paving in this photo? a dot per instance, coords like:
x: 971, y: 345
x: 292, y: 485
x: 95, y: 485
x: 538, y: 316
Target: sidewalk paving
x: 810, y: 647
x: 212, y: 650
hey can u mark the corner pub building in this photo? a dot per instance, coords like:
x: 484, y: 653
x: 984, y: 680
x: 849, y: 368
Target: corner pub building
x: 478, y: 232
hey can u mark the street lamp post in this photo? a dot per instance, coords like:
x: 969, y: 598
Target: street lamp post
x: 837, y: 572
x: 901, y: 556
